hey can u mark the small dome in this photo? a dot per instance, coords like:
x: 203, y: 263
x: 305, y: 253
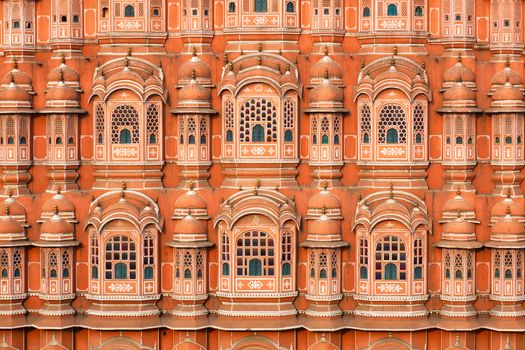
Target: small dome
x: 190, y: 200
x: 10, y: 228
x: 459, y: 92
x: 507, y: 75
x: 15, y: 208
x: 507, y: 206
x: 459, y: 72
x: 17, y: 76
x: 324, y: 200
x: 326, y: 65
x: 189, y: 225
x: 63, y: 73
x: 56, y: 229
x: 508, y: 226
x: 14, y: 93
x: 326, y: 92
x: 458, y: 203
x: 194, y: 95
x: 58, y: 202
x: 324, y: 226
x: 194, y: 68
x: 507, y: 92
x: 459, y: 226
x: 61, y: 92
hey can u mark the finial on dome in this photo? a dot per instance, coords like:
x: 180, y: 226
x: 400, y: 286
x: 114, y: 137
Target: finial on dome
x: 191, y: 185
x: 9, y: 192
x: 61, y: 76
x: 259, y: 60
x: 324, y: 185
x: 507, y: 61
x: 225, y: 58
x: 62, y: 59
x: 129, y: 51
x: 126, y: 62
x: 459, y: 57
x: 458, y: 191
x: 259, y: 47
x: 15, y: 63
x: 323, y: 210
x: 458, y: 213
x: 391, y: 190
x: 193, y: 51
x: 11, y: 78
x: 123, y: 187
x: 7, y: 210
x: 507, y: 210
x: 257, y: 183
x: 326, y: 74
x: 392, y: 61
x: 193, y: 76
x: 55, y: 209
x: 509, y: 193
x: 326, y: 50
x: 395, y: 50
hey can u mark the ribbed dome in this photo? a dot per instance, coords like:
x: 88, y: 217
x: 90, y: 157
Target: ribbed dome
x: 190, y: 200
x: 189, y: 225
x: 14, y: 93
x: 459, y: 72
x: 194, y: 95
x: 326, y: 93
x: 326, y: 65
x: 324, y: 200
x: 17, y: 76
x: 63, y: 73
x: 507, y: 75
x: 458, y: 203
x: 459, y: 226
x: 58, y: 202
x: 324, y: 226
x: 56, y: 229
x: 61, y: 92
x: 507, y: 206
x: 196, y: 68
x: 459, y: 92
x: 10, y: 228
x: 508, y: 226
x: 507, y: 92
x: 14, y: 207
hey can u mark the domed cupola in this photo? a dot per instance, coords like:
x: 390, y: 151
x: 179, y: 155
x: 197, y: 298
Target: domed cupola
x: 191, y: 215
x: 459, y: 98
x: 459, y: 72
x: 507, y: 98
x: 507, y: 218
x: 15, y: 99
x: 506, y: 76
x: 195, y: 69
x: 55, y: 231
x: 58, y: 202
x: 15, y: 209
x: 194, y: 96
x: 63, y: 90
x: 326, y: 96
x: 11, y: 230
x: 324, y: 65
x: 324, y: 221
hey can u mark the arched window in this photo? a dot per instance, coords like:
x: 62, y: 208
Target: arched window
x: 225, y: 269
x: 258, y: 133
x: 203, y: 139
x: 231, y: 7
x: 286, y: 269
x: 459, y: 274
x: 391, y: 10
x: 16, y: 24
x: 121, y: 271
x: 125, y: 117
x: 390, y: 251
x: 418, y: 138
x: 366, y: 12
x: 390, y: 272
x: 336, y: 139
x: 124, y: 136
x: 497, y: 140
x: 191, y: 140
x: 229, y: 136
x: 324, y: 139
x: 392, y: 136
x: 496, y: 273
x: 508, y: 140
x: 225, y: 255
x: 121, y: 258
x: 418, y: 273
x: 260, y: 6
x: 508, y: 274
x: 288, y: 136
x: 23, y: 140
x: 392, y: 117
x: 4, y: 263
x: 290, y: 7
x: 255, y: 267
x: 105, y: 12
x: 129, y: 11
x: 255, y: 246
x: 187, y: 273
x: 152, y: 139
x: 418, y: 12
x: 366, y: 138
x: 322, y: 274
x: 363, y: 272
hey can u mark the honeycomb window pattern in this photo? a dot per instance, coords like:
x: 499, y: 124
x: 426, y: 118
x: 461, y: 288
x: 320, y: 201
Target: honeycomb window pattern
x: 392, y: 116
x: 258, y: 111
x: 125, y: 117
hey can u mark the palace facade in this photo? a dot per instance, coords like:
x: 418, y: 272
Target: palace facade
x: 262, y: 174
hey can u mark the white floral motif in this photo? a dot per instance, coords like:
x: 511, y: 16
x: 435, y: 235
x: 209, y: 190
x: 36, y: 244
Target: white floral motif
x: 255, y: 284
x: 389, y: 288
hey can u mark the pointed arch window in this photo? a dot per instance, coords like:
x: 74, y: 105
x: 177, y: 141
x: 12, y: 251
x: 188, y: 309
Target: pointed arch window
x: 418, y: 12
x: 261, y: 6
x: 391, y: 10
x: 392, y: 136
x: 290, y: 7
x: 366, y: 12
x: 258, y: 133
x: 124, y: 136
x: 129, y: 11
